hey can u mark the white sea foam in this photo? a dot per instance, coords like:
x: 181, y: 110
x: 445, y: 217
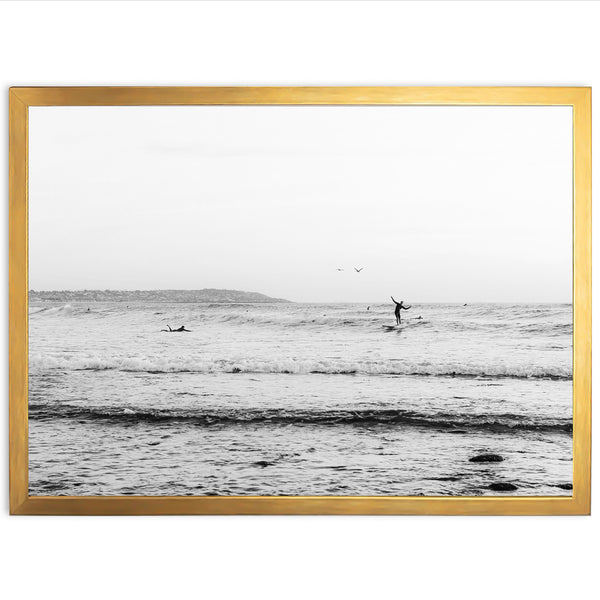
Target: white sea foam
x: 158, y: 364
x: 66, y: 310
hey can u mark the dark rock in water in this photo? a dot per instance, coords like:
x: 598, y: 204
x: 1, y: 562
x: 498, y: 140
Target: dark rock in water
x: 486, y: 458
x: 565, y: 486
x: 503, y: 487
x: 262, y: 463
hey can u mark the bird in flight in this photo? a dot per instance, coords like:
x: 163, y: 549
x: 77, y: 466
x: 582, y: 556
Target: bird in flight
x: 358, y: 270
x: 339, y: 269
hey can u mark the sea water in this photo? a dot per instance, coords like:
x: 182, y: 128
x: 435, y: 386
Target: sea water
x: 299, y: 399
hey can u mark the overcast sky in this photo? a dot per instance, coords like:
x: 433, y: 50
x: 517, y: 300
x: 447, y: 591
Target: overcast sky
x: 438, y: 204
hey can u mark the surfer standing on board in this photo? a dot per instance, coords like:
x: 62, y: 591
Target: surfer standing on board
x: 399, y: 306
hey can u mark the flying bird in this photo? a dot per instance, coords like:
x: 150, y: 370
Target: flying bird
x: 339, y: 269
x: 358, y: 270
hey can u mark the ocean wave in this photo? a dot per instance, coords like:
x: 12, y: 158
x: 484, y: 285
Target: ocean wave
x: 496, y: 422
x: 66, y: 310
x: 295, y: 366
x: 310, y: 320
x: 548, y: 329
x: 319, y: 317
x: 373, y: 321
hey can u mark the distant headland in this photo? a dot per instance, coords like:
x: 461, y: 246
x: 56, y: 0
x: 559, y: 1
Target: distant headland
x: 205, y: 295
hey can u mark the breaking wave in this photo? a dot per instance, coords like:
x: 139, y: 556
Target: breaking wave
x: 157, y: 364
x: 207, y: 417
x: 66, y: 310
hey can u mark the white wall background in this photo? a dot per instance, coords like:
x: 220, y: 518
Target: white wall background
x: 314, y: 43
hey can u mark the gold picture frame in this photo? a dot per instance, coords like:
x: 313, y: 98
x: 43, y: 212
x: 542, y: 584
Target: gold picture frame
x: 21, y: 98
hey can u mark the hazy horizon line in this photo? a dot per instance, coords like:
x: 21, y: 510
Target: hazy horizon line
x: 368, y: 302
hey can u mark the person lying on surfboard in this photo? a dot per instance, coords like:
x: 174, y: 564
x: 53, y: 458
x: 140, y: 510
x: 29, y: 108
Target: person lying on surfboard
x: 399, y: 305
x: 182, y: 328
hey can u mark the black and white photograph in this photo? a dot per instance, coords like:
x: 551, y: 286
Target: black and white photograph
x: 300, y: 301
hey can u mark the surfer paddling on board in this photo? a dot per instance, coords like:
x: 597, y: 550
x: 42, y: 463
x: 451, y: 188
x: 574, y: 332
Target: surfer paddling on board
x: 182, y: 328
x: 399, y: 306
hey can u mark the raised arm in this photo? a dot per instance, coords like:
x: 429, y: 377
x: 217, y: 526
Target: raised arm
x: 392, y: 297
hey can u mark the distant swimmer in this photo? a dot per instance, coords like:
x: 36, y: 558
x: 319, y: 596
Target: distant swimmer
x: 368, y: 308
x: 358, y: 270
x: 182, y: 328
x: 399, y: 305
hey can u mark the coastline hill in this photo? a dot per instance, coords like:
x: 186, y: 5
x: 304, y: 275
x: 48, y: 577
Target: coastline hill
x: 205, y: 295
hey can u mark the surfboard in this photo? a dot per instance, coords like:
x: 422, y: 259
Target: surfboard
x: 404, y: 325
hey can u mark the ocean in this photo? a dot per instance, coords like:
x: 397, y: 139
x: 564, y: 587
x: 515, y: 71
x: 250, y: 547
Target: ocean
x: 299, y: 399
